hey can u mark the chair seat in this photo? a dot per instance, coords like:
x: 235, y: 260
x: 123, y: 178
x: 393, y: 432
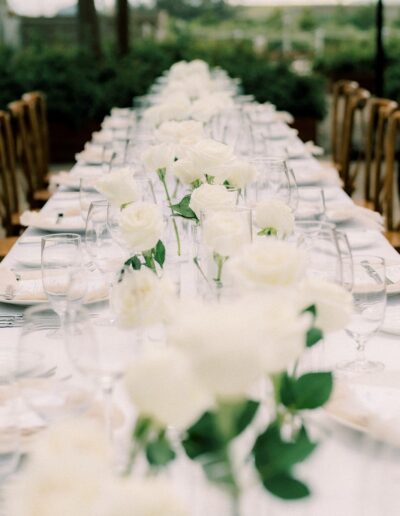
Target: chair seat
x: 364, y: 204
x: 5, y: 245
x: 393, y: 238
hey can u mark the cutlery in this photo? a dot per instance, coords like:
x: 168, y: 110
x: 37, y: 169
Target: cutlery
x: 9, y: 293
x: 59, y: 217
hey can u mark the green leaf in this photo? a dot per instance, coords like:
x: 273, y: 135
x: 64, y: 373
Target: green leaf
x: 183, y: 209
x: 134, y: 262
x: 142, y: 427
x: 203, y: 437
x: 213, y: 431
x: 287, y: 390
x: 274, y: 455
x: 159, y: 452
x: 218, y: 469
x: 312, y: 309
x: 267, y: 232
x: 284, y: 486
x: 314, y: 335
x: 159, y: 253
x: 313, y: 390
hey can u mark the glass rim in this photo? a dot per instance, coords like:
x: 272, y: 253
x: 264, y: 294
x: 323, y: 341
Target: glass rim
x: 70, y: 236
x: 358, y: 258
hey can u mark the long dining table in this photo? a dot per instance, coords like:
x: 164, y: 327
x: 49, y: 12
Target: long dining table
x: 351, y: 473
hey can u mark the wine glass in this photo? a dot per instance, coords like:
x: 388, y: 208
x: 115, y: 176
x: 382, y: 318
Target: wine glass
x: 100, y: 353
x: 107, y: 256
x: 273, y: 180
x: 62, y: 263
x: 10, y: 434
x: 369, y: 303
x: 324, y: 260
x: 311, y: 205
x: 45, y: 377
x: 87, y: 194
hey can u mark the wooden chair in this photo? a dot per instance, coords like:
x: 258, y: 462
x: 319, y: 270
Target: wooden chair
x: 342, y: 91
x: 39, y: 132
x: 380, y: 111
x: 9, y: 202
x: 385, y: 185
x: 356, y: 104
x: 27, y: 154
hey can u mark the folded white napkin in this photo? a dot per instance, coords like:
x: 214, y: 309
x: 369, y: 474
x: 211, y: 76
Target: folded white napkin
x: 284, y: 116
x: 115, y: 123
x: 313, y: 149
x: 71, y: 218
x: 117, y: 112
x: 29, y: 286
x: 102, y: 137
x: 93, y: 153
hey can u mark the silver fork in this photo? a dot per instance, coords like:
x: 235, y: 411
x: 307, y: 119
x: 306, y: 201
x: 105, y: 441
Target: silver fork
x: 9, y: 293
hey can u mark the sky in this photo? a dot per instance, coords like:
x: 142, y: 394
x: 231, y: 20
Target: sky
x: 50, y: 7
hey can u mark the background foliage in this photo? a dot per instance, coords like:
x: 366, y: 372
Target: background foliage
x: 79, y: 88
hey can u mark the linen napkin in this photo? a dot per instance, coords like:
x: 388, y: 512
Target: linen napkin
x: 29, y: 286
x: 313, y: 149
x: 93, y: 153
x: 71, y: 218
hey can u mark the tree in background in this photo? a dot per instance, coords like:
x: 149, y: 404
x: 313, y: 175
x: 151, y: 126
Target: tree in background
x: 122, y: 26
x: 307, y: 20
x: 275, y: 19
x: 88, y: 27
x: 189, y: 9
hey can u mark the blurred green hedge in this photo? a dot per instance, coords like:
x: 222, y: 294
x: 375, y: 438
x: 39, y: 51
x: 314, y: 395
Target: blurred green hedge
x: 79, y: 88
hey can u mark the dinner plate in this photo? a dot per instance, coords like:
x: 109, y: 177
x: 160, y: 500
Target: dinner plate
x: 339, y: 214
x: 30, y: 302
x: 308, y: 177
x: 391, y: 324
x: 367, y: 403
x: 361, y: 239
x: 66, y: 225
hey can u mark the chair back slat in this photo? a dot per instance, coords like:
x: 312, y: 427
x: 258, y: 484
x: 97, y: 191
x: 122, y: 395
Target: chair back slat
x: 8, y: 173
x: 342, y: 90
x: 37, y: 119
x: 387, y: 193
x: 356, y: 104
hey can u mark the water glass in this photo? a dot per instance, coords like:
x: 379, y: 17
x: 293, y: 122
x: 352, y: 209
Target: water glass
x: 369, y: 304
x: 63, y: 273
x: 46, y: 379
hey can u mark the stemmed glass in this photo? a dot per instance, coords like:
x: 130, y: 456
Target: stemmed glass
x: 107, y: 256
x: 45, y: 378
x: 369, y: 303
x: 101, y: 353
x: 273, y: 181
x: 63, y: 276
x: 10, y: 433
x: 88, y: 194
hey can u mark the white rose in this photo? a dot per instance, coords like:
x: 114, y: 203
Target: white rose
x: 211, y: 157
x: 186, y: 171
x: 60, y: 479
x: 118, y: 187
x: 144, y: 497
x: 334, y: 304
x: 207, y: 106
x: 142, y: 299
x: 275, y: 215
x: 211, y: 197
x: 268, y: 263
x: 225, y: 342
x: 226, y: 232
x: 158, y: 157
x: 187, y: 132
x: 240, y: 173
x: 285, y: 330
x: 163, y: 386
x: 175, y: 107
x: 141, y: 225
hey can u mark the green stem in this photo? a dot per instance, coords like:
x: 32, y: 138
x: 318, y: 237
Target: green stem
x: 149, y: 260
x: 161, y: 175
x: 219, y: 260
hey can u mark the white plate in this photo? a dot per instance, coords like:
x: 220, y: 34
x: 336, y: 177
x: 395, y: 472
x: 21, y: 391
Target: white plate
x: 308, y: 177
x: 339, y: 214
x: 65, y: 226
x: 361, y: 239
x: 29, y: 302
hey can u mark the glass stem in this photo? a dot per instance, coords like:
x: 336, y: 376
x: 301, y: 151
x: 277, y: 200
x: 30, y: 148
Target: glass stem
x: 107, y: 392
x: 360, y: 343
x: 161, y: 175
